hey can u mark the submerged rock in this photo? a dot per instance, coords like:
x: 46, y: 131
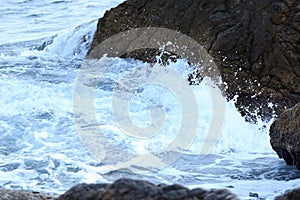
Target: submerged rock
x: 6, y: 194
x: 290, y: 195
x: 127, y: 189
x: 285, y: 136
x: 255, y: 44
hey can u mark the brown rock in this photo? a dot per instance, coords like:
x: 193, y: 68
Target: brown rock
x: 255, y: 44
x: 285, y: 136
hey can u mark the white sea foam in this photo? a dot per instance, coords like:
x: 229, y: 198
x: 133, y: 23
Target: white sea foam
x: 69, y: 44
x: 236, y: 135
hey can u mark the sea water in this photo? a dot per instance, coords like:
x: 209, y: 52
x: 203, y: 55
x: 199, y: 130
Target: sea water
x: 42, y: 49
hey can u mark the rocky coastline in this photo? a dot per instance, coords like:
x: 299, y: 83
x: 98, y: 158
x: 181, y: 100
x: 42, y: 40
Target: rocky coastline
x: 128, y: 189
x: 256, y: 45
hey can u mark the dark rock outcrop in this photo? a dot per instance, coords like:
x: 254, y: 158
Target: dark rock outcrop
x: 254, y: 43
x: 6, y: 194
x: 126, y: 189
x: 290, y: 195
x: 84, y: 192
x: 285, y: 136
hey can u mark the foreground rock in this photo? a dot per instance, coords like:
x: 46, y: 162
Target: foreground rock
x: 291, y: 195
x: 125, y: 189
x: 6, y: 194
x: 254, y: 43
x: 285, y: 136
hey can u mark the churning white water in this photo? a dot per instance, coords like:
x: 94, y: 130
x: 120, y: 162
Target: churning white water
x: 43, y: 45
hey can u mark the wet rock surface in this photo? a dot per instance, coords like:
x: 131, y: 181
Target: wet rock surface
x: 290, y: 195
x: 285, y: 136
x: 6, y: 194
x: 255, y: 44
x: 142, y: 190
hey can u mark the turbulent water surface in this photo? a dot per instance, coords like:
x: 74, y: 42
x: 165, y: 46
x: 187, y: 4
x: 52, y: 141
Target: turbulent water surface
x: 42, y: 49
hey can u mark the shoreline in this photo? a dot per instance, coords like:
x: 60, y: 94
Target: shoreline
x: 136, y: 189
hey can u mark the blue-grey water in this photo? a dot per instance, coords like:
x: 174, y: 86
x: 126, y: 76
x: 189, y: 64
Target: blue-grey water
x: 41, y: 52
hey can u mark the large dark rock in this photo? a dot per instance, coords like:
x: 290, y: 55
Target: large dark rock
x: 285, y: 136
x: 290, y: 195
x: 254, y: 43
x: 127, y: 189
x: 84, y: 192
